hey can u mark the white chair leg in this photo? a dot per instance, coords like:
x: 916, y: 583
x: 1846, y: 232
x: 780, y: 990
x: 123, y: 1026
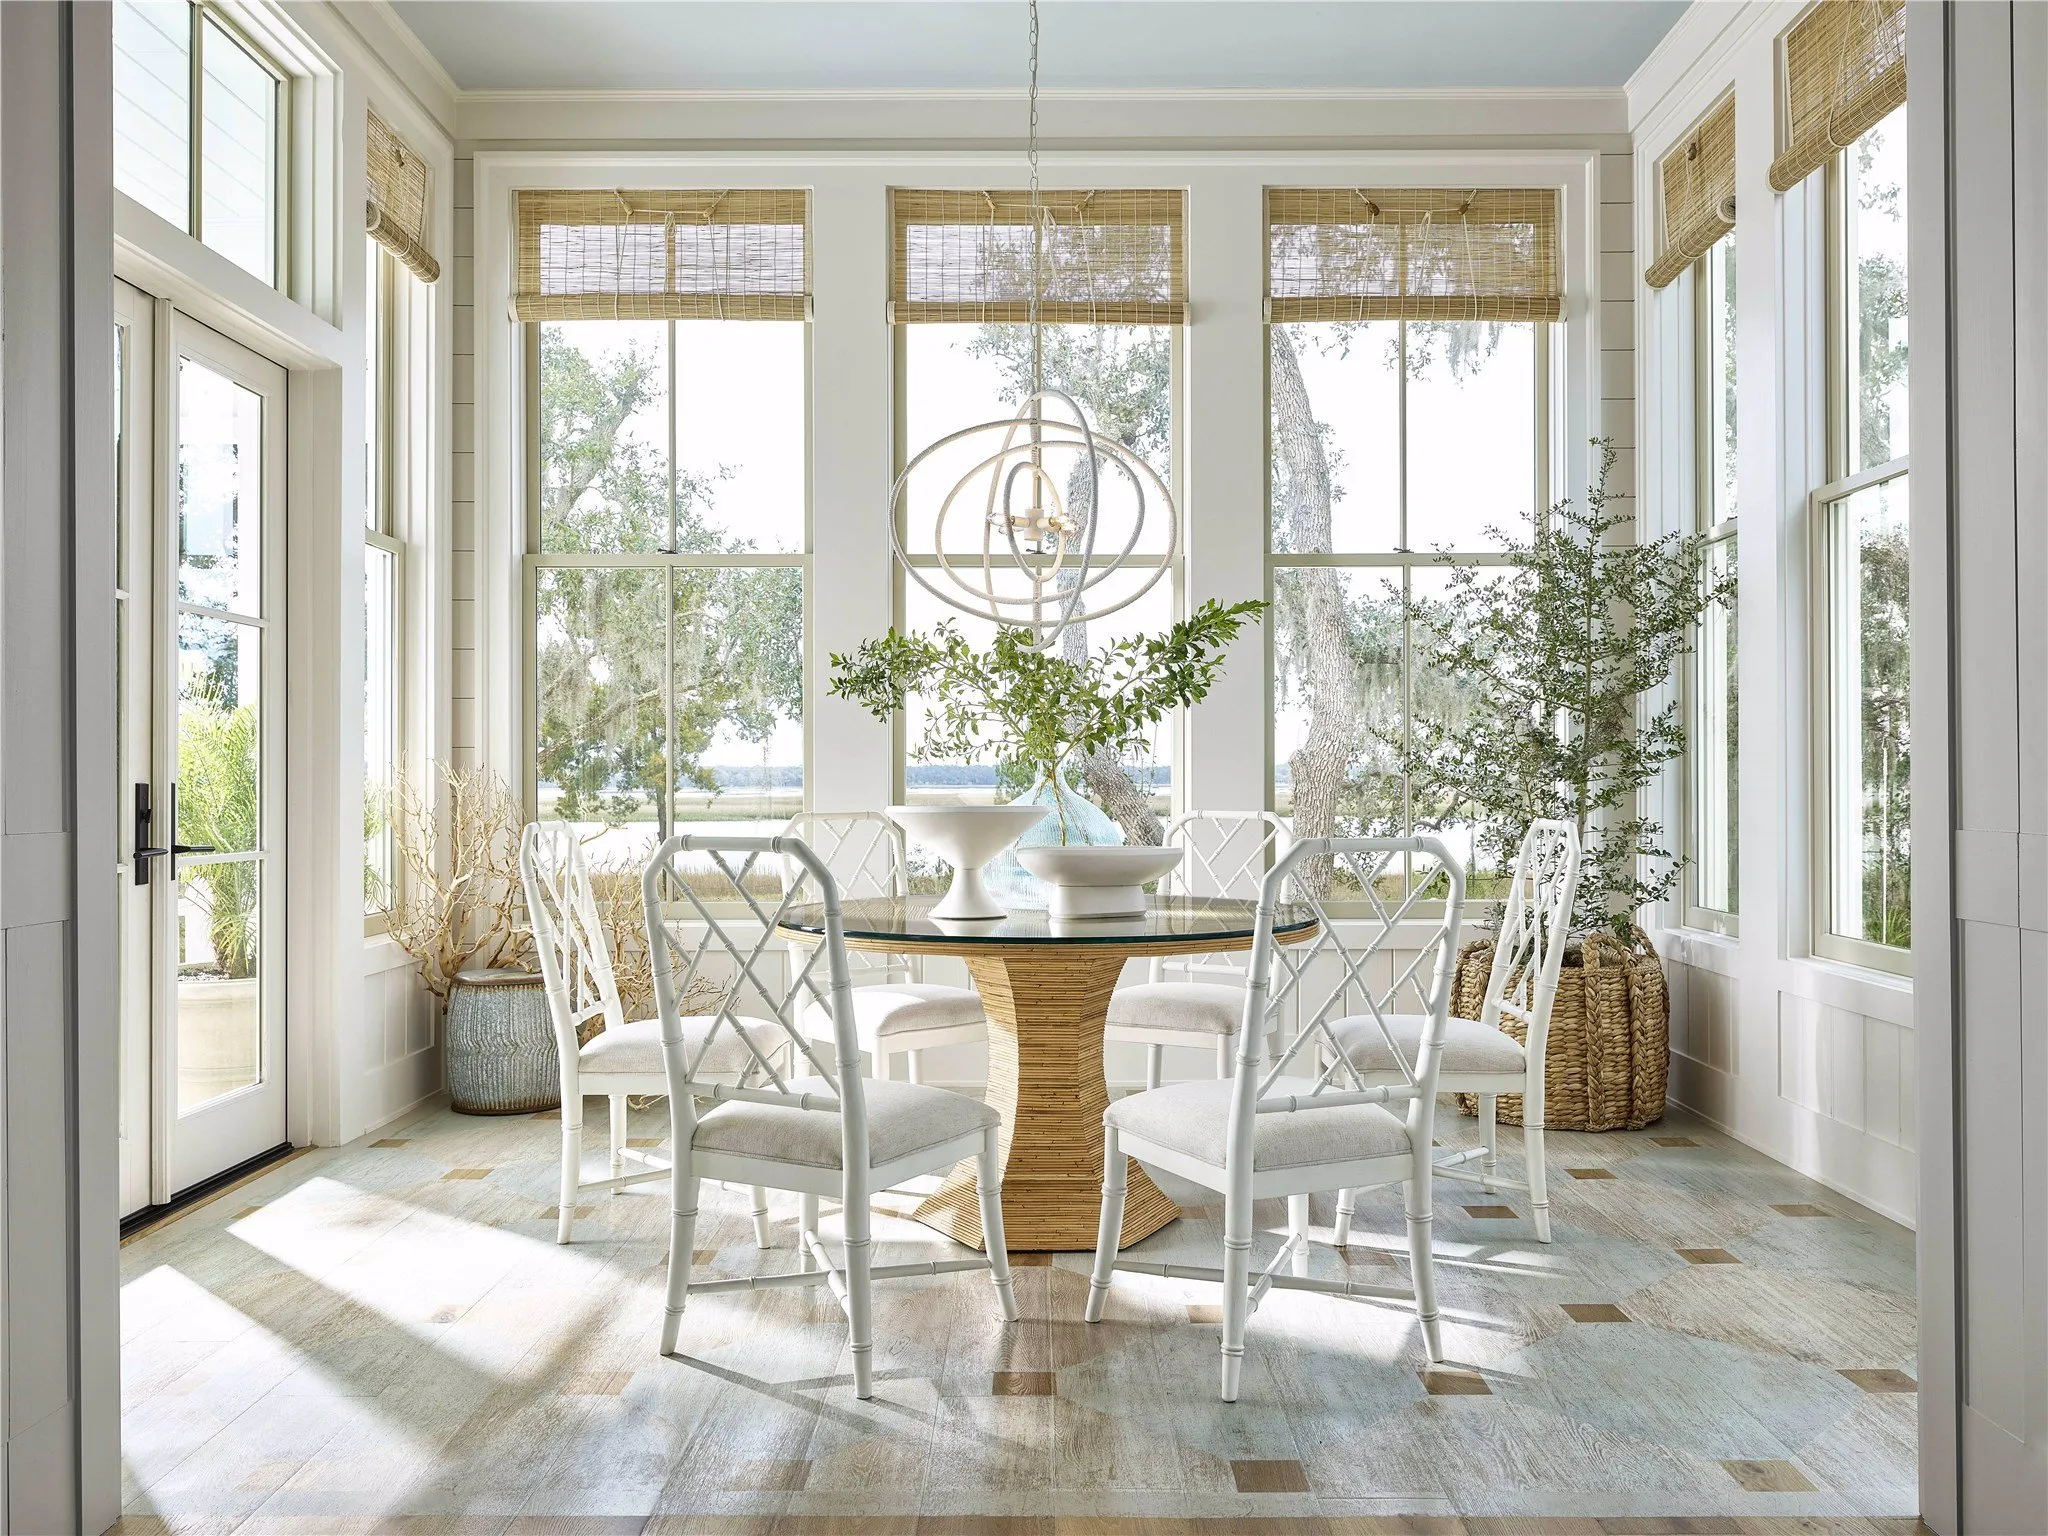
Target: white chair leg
x: 860, y: 1315
x: 1421, y: 1266
x: 1108, y: 1229
x: 682, y: 1232
x: 572, y: 1163
x: 761, y: 1239
x: 1225, y: 1045
x: 1297, y: 1231
x: 988, y: 1184
x: 1347, y: 1202
x: 809, y: 1224
x: 618, y: 1135
x: 916, y: 1066
x: 1155, y: 1065
x: 1539, y: 1195
x: 1237, y: 1263
x: 1489, y: 1126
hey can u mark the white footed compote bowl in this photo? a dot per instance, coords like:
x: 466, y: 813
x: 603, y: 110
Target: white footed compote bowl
x: 967, y: 837
x: 1098, y: 881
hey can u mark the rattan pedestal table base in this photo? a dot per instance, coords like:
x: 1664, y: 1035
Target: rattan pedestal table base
x: 1045, y: 987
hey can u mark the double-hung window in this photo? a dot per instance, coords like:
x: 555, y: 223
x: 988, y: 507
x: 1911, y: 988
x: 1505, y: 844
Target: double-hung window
x: 1713, y: 781
x: 1863, y: 725
x: 667, y: 356
x: 1409, y: 367
x: 199, y: 128
x: 1113, y: 275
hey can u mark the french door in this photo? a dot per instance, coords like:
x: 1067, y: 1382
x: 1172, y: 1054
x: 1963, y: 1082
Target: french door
x: 201, y: 460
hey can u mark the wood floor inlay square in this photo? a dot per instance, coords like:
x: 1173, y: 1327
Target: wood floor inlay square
x: 1030, y: 1260
x: 1022, y: 1384
x: 1443, y: 1382
x: 245, y: 1212
x: 1594, y: 1312
x: 392, y: 1141
x: 1674, y: 1141
x: 465, y: 1173
x: 643, y: 1141
x: 581, y: 1213
x: 1768, y: 1476
x: 771, y: 1474
x: 595, y: 1383
x: 1199, y: 1312
x: 1883, y: 1381
x: 1590, y: 1173
x: 1491, y: 1212
x: 1269, y: 1477
x: 1679, y: 1525
x: 1802, y: 1209
x: 1708, y: 1256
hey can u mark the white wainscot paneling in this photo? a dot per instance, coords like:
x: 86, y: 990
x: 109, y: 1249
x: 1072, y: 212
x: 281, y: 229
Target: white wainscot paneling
x: 401, y: 1035
x: 1847, y: 1081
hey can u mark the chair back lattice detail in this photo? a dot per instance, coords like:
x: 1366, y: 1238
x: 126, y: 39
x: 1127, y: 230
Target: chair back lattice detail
x: 1368, y: 967
x: 1226, y: 854
x: 866, y: 854
x: 575, y: 957
x: 1535, y: 925
x: 672, y: 900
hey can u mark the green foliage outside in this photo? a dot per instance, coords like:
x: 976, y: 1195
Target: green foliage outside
x: 218, y: 807
x: 639, y: 667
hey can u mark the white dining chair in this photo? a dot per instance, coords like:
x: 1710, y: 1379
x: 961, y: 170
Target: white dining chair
x: 823, y: 1131
x: 1197, y: 1000
x: 1292, y: 1128
x: 1479, y: 1056
x: 895, y: 1010
x: 624, y: 1058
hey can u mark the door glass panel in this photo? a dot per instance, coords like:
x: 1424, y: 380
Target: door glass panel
x: 220, y: 478
x: 220, y: 668
x: 153, y: 105
x: 237, y: 154
x: 220, y: 1036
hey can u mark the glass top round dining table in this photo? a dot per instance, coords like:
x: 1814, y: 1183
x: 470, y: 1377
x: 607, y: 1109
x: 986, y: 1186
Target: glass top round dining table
x: 1169, y: 925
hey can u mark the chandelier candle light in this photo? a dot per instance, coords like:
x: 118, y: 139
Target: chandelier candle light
x: 1027, y: 526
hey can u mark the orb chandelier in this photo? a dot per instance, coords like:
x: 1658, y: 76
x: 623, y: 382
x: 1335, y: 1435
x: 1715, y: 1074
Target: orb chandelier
x: 1042, y: 565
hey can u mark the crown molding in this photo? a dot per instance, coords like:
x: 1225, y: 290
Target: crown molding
x: 1248, y: 95
x: 410, y: 41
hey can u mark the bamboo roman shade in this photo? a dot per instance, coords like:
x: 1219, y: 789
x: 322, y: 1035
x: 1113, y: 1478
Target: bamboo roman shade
x: 1412, y: 253
x: 662, y: 255
x: 396, y: 211
x: 1696, y: 180
x: 1108, y: 258
x: 1845, y: 68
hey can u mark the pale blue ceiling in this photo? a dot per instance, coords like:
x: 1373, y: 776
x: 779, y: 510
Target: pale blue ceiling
x: 800, y: 45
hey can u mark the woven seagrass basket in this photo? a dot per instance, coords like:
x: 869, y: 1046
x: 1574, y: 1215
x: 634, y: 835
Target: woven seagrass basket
x: 1609, y: 1052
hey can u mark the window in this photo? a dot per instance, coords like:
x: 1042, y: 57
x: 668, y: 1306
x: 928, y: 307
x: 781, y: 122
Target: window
x: 1863, y: 728
x: 1713, y: 706
x: 1408, y: 369
x: 197, y: 128
x: 383, y: 579
x: 1114, y: 292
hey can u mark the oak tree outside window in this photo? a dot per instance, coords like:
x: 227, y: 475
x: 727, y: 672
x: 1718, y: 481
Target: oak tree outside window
x: 1713, y: 706
x: 1863, y: 726
x: 1115, y: 294
x: 198, y: 127
x: 668, y: 506
x: 1409, y: 360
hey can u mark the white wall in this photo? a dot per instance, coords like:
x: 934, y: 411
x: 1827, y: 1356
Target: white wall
x: 1808, y: 1060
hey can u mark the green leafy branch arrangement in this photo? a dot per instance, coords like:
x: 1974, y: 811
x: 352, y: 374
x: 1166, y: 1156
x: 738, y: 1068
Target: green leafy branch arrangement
x: 1560, y: 651
x: 1038, y: 710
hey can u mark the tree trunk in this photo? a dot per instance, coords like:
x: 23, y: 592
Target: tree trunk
x: 1320, y: 629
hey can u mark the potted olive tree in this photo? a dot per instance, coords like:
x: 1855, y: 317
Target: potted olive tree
x: 1564, y: 651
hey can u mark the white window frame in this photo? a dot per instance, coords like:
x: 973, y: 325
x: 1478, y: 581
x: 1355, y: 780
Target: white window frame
x: 534, y: 559
x: 1834, y: 632
x: 1173, y: 733
x: 399, y: 436
x: 1402, y: 559
x: 1706, y: 402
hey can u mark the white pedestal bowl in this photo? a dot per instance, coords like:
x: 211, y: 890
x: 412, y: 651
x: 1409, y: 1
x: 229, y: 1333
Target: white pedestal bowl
x: 967, y: 837
x: 1090, y: 882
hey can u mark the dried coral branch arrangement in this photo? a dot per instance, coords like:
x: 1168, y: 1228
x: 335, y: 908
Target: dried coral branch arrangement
x: 461, y: 906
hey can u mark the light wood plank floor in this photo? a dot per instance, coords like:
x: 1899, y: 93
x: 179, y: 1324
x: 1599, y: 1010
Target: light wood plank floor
x: 384, y: 1337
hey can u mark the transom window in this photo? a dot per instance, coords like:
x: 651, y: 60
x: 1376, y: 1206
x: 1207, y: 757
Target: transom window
x: 198, y: 122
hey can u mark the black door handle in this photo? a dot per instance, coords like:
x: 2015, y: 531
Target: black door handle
x: 145, y: 816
